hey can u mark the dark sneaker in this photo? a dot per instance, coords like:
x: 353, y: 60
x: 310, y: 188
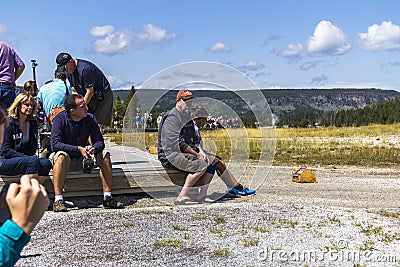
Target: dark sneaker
x: 244, y: 192
x: 111, y: 203
x: 59, y: 206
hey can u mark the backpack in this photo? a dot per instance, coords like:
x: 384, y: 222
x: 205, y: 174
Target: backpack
x: 303, y: 175
x: 54, y: 113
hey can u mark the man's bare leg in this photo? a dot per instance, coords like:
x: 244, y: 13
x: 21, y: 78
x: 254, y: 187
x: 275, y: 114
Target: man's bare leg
x: 205, y: 181
x: 190, y: 181
x: 226, y: 175
x: 59, y: 174
x: 106, y: 173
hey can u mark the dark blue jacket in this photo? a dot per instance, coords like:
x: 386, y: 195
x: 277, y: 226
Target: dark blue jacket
x: 66, y: 135
x: 12, y: 141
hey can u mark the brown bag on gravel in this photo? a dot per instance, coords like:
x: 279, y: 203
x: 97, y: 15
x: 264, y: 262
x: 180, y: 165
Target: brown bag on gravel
x: 304, y: 175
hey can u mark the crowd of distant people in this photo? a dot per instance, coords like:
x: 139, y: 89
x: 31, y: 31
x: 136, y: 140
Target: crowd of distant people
x: 146, y: 120
x: 220, y: 122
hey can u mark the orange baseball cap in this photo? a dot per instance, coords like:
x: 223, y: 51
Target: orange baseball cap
x: 184, y: 94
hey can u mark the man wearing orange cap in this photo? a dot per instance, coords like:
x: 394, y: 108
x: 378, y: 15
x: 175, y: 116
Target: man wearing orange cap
x: 175, y: 153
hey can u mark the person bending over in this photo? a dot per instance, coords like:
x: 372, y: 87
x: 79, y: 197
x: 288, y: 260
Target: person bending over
x: 88, y: 80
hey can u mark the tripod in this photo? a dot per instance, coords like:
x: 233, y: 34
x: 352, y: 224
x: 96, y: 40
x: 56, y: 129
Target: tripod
x: 34, y: 65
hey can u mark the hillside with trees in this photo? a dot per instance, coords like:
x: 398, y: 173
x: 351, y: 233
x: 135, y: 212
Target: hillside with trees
x: 294, y: 107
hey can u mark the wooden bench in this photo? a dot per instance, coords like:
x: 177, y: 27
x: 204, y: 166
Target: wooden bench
x: 134, y: 171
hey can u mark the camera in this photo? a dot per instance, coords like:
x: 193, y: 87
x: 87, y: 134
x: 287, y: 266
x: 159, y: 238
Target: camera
x: 40, y: 116
x: 87, y: 165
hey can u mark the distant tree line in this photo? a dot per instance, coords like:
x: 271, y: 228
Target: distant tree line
x: 385, y: 112
x: 120, y: 106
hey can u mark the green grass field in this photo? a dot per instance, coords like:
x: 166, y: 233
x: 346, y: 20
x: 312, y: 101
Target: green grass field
x: 368, y: 146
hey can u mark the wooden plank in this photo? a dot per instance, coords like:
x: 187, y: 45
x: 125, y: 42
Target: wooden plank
x: 133, y: 171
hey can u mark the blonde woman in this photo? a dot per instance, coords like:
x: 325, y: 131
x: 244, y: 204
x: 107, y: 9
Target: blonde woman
x: 20, y: 142
x: 26, y: 201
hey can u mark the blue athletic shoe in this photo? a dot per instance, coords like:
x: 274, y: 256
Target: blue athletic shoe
x: 244, y: 192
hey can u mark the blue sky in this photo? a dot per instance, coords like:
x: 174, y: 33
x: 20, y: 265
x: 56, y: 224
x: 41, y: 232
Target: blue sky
x: 277, y: 44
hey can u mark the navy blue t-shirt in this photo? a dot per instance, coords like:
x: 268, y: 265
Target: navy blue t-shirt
x: 88, y: 75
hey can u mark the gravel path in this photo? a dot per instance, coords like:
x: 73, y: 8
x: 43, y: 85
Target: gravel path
x: 351, y: 217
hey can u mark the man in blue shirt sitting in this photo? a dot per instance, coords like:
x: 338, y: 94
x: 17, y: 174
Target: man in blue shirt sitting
x: 69, y: 144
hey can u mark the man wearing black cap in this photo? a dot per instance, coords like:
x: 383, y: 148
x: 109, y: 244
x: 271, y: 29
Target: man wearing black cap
x: 88, y: 80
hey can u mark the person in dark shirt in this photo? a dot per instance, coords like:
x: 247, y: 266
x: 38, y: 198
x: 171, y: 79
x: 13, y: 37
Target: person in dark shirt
x: 24, y: 202
x: 18, y: 152
x: 88, y: 80
x: 235, y: 189
x: 174, y: 153
x: 69, y: 144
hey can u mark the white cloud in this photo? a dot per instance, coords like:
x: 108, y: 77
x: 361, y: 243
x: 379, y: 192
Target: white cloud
x: 114, y: 81
x: 291, y: 51
x: 394, y: 63
x: 219, y: 47
x: 3, y: 28
x: 112, y: 43
x: 308, y: 65
x: 101, y: 30
x: 153, y: 34
x: 270, y: 39
x: 328, y: 39
x: 251, y: 65
x: 381, y: 37
x: 117, y: 83
x: 319, y: 80
x: 194, y: 76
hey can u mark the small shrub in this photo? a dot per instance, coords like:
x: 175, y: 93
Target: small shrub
x: 250, y: 242
x: 128, y: 224
x: 220, y: 252
x: 178, y: 228
x: 175, y: 243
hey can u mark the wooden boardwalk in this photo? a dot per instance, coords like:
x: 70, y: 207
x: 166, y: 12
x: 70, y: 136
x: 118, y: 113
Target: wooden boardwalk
x: 134, y: 171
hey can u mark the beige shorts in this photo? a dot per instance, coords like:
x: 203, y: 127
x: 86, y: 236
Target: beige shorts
x: 75, y: 164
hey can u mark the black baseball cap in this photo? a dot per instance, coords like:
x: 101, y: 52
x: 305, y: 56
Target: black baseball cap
x: 62, y: 60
